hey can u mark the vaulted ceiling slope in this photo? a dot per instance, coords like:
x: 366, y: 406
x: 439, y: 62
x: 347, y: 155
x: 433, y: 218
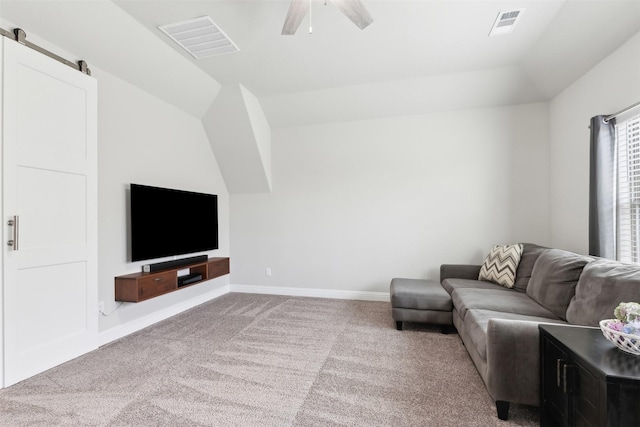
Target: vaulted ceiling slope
x: 417, y: 56
x: 105, y: 36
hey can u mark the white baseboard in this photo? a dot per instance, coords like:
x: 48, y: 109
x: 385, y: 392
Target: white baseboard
x: 314, y: 293
x: 118, y: 332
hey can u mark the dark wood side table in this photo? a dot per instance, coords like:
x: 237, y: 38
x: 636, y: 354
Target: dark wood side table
x: 585, y: 380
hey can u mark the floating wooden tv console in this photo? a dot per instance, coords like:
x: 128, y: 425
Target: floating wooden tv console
x: 136, y: 287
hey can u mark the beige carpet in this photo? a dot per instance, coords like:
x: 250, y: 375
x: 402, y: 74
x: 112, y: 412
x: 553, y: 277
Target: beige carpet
x: 263, y: 360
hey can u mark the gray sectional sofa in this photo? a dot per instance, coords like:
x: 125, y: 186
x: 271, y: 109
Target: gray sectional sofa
x: 499, y: 325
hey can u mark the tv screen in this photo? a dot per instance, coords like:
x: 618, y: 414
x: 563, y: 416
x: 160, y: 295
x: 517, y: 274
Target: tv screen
x: 167, y: 222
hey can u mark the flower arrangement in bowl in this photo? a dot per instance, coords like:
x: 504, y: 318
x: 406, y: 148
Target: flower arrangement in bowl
x: 624, y: 330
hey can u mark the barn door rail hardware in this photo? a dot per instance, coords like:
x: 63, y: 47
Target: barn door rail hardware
x: 21, y: 37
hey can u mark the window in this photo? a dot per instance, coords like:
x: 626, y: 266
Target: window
x: 628, y: 189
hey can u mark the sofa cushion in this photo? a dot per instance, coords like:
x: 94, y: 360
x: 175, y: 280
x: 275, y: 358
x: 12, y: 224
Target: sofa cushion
x: 501, y: 264
x: 554, y: 278
x: 530, y: 254
x: 602, y: 286
x: 452, y: 284
x: 490, y: 299
x: 476, y: 323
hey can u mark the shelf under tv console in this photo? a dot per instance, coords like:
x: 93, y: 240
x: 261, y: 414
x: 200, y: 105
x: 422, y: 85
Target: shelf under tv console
x: 136, y: 287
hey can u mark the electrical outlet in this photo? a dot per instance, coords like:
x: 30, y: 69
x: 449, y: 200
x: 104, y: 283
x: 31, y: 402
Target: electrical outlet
x: 267, y: 272
x: 101, y: 307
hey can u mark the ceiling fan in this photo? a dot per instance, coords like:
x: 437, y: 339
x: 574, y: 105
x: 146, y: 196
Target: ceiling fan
x: 353, y: 9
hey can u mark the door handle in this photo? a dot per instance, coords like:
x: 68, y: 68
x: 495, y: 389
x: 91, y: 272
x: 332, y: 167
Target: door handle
x: 15, y: 223
x: 564, y: 375
x: 559, y: 365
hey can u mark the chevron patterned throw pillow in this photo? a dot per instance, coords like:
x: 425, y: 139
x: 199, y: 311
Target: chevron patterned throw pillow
x: 501, y: 264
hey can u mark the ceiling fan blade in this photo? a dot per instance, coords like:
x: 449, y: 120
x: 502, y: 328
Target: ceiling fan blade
x: 297, y: 10
x: 355, y: 11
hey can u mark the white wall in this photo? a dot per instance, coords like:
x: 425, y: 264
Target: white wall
x: 144, y: 140
x: 355, y: 204
x: 610, y: 86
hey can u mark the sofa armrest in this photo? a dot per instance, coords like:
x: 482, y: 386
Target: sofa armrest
x: 459, y: 271
x: 513, y: 361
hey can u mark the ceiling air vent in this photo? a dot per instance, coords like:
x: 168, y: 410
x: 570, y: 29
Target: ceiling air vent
x: 201, y: 37
x: 505, y: 22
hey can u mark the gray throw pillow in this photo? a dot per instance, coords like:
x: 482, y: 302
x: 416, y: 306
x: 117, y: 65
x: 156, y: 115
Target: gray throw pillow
x: 530, y: 254
x: 554, y: 278
x: 603, y: 285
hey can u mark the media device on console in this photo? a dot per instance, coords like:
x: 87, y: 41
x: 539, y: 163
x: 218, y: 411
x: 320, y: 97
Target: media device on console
x: 189, y: 279
x: 167, y: 265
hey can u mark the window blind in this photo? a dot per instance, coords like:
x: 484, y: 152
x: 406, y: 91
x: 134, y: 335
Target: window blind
x: 628, y: 189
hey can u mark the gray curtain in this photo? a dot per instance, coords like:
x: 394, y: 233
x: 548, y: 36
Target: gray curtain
x: 602, y: 233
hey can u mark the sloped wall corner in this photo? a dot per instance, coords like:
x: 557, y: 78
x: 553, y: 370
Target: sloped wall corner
x: 240, y: 137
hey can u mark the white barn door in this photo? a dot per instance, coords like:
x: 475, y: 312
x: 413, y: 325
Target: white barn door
x: 49, y: 180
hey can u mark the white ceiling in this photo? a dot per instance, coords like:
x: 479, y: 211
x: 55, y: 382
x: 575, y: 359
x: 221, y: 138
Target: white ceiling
x: 417, y: 55
x: 408, y: 39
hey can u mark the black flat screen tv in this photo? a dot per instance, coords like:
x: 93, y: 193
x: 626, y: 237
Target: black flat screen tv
x: 167, y: 222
